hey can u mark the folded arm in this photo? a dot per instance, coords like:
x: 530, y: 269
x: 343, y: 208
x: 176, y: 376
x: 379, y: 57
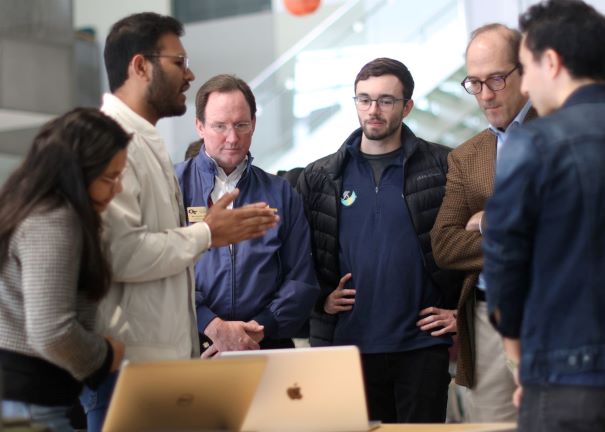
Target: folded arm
x: 455, y: 242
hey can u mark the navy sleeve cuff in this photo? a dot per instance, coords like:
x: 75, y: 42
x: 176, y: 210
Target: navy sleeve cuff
x: 266, y: 319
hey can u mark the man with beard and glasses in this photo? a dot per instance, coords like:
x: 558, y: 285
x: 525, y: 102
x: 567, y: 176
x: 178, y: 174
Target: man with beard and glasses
x: 151, y: 303
x: 371, y: 206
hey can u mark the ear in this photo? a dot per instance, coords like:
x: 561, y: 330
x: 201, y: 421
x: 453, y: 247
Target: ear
x: 199, y: 127
x: 407, y: 108
x: 140, y: 68
x: 552, y: 62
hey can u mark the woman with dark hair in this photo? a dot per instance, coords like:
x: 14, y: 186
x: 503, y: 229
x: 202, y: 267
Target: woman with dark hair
x: 52, y: 268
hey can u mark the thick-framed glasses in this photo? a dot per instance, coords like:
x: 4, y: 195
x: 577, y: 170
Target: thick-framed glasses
x: 181, y: 60
x: 385, y: 103
x: 494, y: 83
x: 224, y: 128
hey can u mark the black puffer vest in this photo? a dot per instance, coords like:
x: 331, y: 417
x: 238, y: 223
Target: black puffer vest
x: 425, y: 168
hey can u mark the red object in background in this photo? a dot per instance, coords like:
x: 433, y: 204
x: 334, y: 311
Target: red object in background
x: 301, y: 7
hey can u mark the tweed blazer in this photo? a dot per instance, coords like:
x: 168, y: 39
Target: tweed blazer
x: 470, y: 182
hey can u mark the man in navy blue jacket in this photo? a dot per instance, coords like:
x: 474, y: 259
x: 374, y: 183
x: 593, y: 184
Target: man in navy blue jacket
x: 544, y: 240
x: 257, y: 293
x: 371, y: 206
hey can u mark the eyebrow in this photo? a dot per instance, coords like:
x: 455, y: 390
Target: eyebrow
x: 217, y: 122
x: 113, y: 172
x: 493, y: 74
x: 380, y: 95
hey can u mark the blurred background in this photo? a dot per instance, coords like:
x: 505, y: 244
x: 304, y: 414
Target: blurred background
x: 299, y: 56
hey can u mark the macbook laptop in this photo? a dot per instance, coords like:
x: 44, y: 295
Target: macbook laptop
x: 184, y: 395
x: 308, y: 389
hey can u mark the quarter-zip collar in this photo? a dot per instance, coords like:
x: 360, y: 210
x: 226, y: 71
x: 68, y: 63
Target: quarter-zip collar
x: 409, y: 143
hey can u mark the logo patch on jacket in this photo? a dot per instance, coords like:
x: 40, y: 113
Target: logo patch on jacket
x: 348, y: 198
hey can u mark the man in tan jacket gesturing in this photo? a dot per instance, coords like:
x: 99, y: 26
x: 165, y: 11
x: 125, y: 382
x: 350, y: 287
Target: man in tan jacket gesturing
x: 151, y: 303
x: 494, y: 78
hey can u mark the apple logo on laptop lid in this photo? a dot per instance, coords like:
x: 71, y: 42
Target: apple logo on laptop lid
x: 294, y: 392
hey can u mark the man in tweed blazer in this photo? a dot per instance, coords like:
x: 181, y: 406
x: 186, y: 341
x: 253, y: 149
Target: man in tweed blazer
x: 494, y: 78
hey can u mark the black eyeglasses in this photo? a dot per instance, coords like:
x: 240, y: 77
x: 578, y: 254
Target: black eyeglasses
x: 385, y: 103
x: 182, y: 61
x: 494, y: 83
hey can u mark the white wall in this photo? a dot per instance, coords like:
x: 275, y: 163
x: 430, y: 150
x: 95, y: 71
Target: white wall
x: 244, y: 46
x: 480, y: 12
x: 291, y: 28
x: 102, y: 14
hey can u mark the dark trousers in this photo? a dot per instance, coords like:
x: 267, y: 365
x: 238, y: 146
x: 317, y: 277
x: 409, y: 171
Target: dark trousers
x: 407, y: 387
x: 276, y: 344
x: 554, y: 408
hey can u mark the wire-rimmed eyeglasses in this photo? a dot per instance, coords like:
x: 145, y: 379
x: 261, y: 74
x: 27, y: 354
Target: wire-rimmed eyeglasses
x: 385, y: 103
x: 182, y: 61
x: 224, y: 128
x: 113, y: 181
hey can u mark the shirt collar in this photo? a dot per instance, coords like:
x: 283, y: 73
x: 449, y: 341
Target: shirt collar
x: 519, y: 118
x: 115, y: 107
x: 235, y: 175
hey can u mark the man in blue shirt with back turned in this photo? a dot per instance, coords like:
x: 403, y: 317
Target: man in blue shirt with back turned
x: 544, y: 242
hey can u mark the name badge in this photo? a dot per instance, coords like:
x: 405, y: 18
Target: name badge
x: 196, y: 214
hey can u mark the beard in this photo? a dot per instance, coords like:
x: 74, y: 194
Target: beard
x: 162, y: 97
x: 379, y: 135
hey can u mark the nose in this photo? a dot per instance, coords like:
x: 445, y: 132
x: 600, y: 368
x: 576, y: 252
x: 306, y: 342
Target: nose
x: 232, y: 136
x: 189, y: 76
x: 486, y: 93
x: 374, y: 106
x: 118, y: 187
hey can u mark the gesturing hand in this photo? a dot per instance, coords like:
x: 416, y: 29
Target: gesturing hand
x: 230, y: 226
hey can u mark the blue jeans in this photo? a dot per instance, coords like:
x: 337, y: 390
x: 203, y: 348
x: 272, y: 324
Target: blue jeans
x: 562, y: 408
x: 96, y: 402
x: 53, y: 417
